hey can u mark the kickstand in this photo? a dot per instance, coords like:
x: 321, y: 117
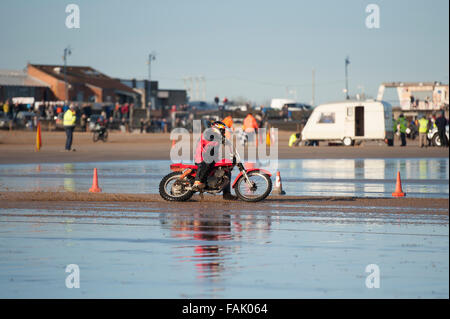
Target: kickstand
x: 201, y: 195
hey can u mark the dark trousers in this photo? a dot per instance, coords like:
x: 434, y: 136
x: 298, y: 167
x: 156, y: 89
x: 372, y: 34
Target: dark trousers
x: 203, y: 171
x: 69, y: 135
x: 202, y: 174
x: 443, y: 138
x: 403, y: 138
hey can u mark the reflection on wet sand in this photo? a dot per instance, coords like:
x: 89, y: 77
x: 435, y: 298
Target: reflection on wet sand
x: 209, y: 233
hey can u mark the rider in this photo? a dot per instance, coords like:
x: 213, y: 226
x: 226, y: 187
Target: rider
x: 102, y: 122
x: 206, y: 155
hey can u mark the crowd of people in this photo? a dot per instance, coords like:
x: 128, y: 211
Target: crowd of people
x: 422, y: 125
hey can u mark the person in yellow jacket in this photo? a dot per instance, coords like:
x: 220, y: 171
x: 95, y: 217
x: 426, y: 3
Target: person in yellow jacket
x: 423, y: 130
x: 294, y: 140
x: 69, y: 125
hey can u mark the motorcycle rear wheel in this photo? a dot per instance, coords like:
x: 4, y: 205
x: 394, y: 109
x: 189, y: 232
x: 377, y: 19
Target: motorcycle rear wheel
x: 167, y: 193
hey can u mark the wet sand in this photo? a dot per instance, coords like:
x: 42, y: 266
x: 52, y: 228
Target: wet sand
x: 19, y: 147
x: 119, y: 202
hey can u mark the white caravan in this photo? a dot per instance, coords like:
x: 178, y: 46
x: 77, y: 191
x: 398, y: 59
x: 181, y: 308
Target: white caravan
x: 350, y: 121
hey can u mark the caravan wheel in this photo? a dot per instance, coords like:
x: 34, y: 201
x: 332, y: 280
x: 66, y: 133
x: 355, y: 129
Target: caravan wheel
x: 347, y: 141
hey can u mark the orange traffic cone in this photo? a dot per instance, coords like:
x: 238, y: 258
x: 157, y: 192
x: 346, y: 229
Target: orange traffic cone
x: 398, y: 188
x: 278, y: 189
x: 95, y: 188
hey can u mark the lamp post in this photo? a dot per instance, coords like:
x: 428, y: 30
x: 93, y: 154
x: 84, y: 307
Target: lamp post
x: 347, y: 62
x: 151, y: 57
x: 67, y: 52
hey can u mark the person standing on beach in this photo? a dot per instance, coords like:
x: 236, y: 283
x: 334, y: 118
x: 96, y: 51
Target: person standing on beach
x: 69, y: 126
x: 423, y: 129
x: 441, y: 123
x: 401, y: 126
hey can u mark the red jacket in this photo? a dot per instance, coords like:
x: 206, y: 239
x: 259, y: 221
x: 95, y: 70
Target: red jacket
x: 203, y: 146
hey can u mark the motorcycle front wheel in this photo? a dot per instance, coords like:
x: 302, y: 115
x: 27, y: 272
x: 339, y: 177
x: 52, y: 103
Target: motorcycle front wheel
x: 95, y: 137
x: 172, y: 189
x: 260, y: 188
x: 105, y: 136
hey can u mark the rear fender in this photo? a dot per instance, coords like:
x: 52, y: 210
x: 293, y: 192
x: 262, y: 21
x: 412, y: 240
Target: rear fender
x: 248, y: 171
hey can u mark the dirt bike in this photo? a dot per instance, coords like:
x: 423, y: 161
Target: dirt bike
x: 100, y: 133
x: 251, y: 184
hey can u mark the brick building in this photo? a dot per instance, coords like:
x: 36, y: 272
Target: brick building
x: 85, y: 84
x: 163, y: 97
x: 17, y: 83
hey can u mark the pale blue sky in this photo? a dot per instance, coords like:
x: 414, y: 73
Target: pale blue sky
x: 243, y: 48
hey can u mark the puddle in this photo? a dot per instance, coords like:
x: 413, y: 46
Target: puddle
x: 345, y: 177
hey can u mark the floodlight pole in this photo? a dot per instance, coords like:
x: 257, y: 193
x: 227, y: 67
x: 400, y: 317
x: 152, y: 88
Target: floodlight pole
x: 347, y: 62
x: 67, y: 52
x: 151, y: 57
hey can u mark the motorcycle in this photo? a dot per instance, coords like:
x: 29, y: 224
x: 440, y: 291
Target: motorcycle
x: 100, y: 133
x: 251, y: 184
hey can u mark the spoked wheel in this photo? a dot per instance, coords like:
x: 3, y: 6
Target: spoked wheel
x: 105, y: 136
x: 260, y: 188
x: 172, y: 189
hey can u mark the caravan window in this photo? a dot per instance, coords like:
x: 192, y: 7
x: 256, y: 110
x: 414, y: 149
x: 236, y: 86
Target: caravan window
x: 327, y: 118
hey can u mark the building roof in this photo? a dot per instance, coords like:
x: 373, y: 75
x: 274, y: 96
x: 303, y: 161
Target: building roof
x: 83, y: 75
x: 19, y: 78
x: 406, y: 84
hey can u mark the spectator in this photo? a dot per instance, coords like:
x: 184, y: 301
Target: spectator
x: 441, y: 123
x: 6, y: 108
x: 285, y: 112
x: 250, y: 126
x: 142, y: 122
x: 16, y: 111
x: 83, y: 122
x: 423, y: 129
x: 294, y: 140
x: 65, y: 106
x: 401, y: 127
x: 124, y: 110
x: 69, y: 126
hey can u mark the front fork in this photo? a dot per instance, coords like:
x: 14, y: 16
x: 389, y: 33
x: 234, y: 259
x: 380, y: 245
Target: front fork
x: 244, y: 172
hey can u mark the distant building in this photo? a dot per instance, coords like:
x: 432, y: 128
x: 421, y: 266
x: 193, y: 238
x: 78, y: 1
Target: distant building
x: 162, y: 97
x: 418, y: 96
x: 16, y: 83
x: 85, y: 84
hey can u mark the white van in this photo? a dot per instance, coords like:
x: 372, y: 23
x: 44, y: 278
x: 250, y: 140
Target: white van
x: 278, y: 104
x: 350, y: 121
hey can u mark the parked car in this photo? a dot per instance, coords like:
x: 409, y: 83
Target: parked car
x: 25, y: 119
x: 242, y: 108
x: 5, y: 121
x: 433, y: 136
x: 278, y: 104
x: 59, y: 120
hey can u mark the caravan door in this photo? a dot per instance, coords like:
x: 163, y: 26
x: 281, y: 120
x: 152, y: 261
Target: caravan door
x: 349, y: 122
x: 359, y: 121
